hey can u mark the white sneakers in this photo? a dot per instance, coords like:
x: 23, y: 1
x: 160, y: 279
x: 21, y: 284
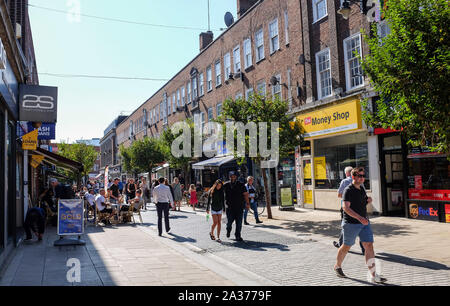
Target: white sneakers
x: 379, y: 279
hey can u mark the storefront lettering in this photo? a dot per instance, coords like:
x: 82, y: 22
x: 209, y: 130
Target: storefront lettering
x: 327, y: 119
x: 428, y: 212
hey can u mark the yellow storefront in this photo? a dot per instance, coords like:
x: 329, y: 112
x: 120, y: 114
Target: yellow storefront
x: 334, y: 139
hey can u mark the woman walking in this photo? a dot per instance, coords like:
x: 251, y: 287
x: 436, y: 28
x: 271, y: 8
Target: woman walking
x: 177, y: 193
x: 193, y: 196
x: 131, y: 190
x: 145, y: 191
x: 217, y: 203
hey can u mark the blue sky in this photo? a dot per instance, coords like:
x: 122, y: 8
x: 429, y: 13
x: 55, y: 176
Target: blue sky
x: 97, y: 47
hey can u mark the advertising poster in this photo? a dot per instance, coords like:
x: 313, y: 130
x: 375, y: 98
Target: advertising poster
x: 29, y: 141
x: 447, y: 213
x: 320, y: 168
x: 286, y: 197
x: 418, y: 182
x: 70, y: 217
x: 106, y: 178
x: 307, y: 195
x: 397, y: 198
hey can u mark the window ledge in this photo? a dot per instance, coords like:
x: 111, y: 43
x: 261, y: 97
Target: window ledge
x: 260, y: 60
x: 320, y: 19
x: 220, y: 85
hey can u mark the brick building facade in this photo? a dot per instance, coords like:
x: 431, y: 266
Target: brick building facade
x: 310, y: 49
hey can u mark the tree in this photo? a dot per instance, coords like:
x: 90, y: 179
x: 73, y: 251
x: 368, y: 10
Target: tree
x: 259, y: 110
x: 79, y: 152
x: 410, y: 70
x: 167, y: 138
x: 142, y: 156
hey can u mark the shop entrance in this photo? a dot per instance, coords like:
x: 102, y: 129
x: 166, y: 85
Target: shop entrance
x: 392, y: 175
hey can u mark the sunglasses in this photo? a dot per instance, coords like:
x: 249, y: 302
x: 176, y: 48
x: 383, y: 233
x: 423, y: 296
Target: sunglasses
x: 360, y: 175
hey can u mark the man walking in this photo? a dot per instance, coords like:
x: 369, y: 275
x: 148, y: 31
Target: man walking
x: 344, y: 184
x: 163, y: 198
x: 235, y: 196
x: 356, y: 223
x: 254, y: 205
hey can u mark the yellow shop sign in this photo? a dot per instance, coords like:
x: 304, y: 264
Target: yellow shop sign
x: 333, y: 119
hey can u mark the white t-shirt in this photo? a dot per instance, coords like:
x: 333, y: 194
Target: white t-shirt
x: 99, y: 199
x: 90, y: 198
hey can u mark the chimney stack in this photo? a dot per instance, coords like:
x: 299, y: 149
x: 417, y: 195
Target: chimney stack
x: 205, y: 39
x: 243, y: 6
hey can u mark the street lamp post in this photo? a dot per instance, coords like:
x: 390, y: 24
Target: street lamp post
x: 345, y: 10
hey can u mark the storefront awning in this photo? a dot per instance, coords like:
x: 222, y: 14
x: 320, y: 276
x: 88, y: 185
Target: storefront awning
x: 58, y: 160
x: 213, y: 162
x: 160, y: 167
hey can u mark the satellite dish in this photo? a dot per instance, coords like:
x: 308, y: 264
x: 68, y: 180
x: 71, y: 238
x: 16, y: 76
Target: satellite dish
x: 229, y: 19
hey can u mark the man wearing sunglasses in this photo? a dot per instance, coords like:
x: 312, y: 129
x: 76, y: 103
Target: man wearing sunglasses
x: 356, y: 223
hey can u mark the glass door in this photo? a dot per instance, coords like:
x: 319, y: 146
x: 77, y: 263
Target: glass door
x: 392, y: 170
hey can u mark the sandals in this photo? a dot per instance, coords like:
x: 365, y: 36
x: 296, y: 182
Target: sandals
x: 212, y: 236
x: 218, y: 240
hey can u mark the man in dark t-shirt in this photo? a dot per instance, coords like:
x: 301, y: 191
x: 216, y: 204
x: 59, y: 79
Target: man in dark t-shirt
x: 356, y: 223
x: 236, y: 199
x: 115, y: 193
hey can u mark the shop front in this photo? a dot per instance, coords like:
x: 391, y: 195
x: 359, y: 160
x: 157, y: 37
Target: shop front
x: 334, y: 139
x: 428, y: 185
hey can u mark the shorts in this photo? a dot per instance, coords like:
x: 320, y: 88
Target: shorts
x: 351, y: 231
x: 213, y: 212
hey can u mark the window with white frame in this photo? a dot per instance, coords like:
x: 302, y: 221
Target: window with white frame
x: 261, y: 88
x: 169, y: 106
x: 174, y: 103
x: 194, y: 88
x: 188, y: 86
x: 210, y: 114
x: 237, y: 59
x: 178, y: 98
x: 219, y: 109
x: 161, y: 111
x: 154, y: 116
x: 274, y: 39
x: 248, y: 93
x: 276, y: 89
x: 259, y: 45
x: 324, y: 86
x: 151, y: 117
x: 286, y: 26
x: 208, y: 79
x: 353, y: 71
x: 164, y: 105
x: 227, y: 65
x: 248, y: 61
x: 319, y: 9
x: 201, y: 81
x: 218, y: 71
x: 157, y: 113
x: 183, y: 96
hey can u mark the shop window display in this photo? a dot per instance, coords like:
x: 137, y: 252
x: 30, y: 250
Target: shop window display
x: 332, y: 155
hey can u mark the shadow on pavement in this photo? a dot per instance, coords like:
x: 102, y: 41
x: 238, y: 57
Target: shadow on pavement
x: 412, y: 261
x: 333, y: 228
x: 177, y: 217
x: 181, y: 238
x: 256, y: 245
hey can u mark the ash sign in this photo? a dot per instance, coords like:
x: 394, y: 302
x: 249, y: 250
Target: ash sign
x: 38, y: 103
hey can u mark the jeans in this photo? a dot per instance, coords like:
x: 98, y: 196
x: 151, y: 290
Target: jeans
x: 160, y: 209
x: 254, y: 207
x: 35, y: 222
x: 234, y: 216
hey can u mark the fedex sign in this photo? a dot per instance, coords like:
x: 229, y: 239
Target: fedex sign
x: 428, y: 212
